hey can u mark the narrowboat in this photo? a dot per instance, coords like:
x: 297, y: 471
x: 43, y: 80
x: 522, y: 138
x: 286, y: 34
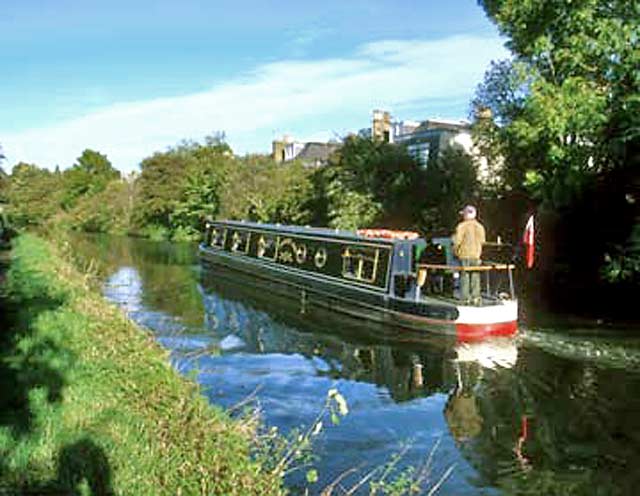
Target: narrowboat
x: 392, y: 277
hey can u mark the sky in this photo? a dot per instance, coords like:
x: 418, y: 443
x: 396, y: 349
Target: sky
x: 128, y: 78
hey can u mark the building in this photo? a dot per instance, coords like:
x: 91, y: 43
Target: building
x: 383, y: 128
x: 425, y: 140
x: 433, y: 136
x: 311, y: 154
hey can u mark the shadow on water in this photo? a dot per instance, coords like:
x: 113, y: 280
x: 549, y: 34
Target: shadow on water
x: 538, y: 415
x: 30, y: 363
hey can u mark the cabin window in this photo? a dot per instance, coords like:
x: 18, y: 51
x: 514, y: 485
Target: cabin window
x: 360, y: 263
x: 320, y: 258
x: 301, y: 253
x: 207, y: 234
x: 217, y: 237
x: 267, y: 247
x: 240, y: 241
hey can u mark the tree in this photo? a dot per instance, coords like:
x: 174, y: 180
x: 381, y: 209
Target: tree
x: 108, y: 211
x: 4, y: 180
x: 89, y: 175
x: 261, y: 190
x: 160, y: 185
x: 178, y: 188
x: 450, y: 182
x: 370, y: 181
x: 499, y: 101
x: 351, y: 210
x: 198, y: 200
x: 580, y: 112
x: 566, y: 121
x: 33, y: 194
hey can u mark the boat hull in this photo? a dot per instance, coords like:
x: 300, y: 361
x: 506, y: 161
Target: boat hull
x: 426, y: 315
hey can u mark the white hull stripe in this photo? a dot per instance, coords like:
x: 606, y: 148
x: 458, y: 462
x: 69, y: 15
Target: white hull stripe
x: 494, y: 314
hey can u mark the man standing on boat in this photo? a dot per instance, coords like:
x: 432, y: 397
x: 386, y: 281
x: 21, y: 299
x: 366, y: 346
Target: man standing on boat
x: 467, y: 246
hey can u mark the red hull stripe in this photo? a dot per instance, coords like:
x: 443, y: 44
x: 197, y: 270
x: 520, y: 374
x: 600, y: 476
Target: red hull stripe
x: 467, y: 332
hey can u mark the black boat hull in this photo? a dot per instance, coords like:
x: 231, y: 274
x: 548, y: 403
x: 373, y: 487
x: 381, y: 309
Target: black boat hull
x: 310, y: 290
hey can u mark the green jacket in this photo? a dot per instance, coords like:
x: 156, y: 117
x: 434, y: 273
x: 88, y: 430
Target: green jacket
x: 468, y: 239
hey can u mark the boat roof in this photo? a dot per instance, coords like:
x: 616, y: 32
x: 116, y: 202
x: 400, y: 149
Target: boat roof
x: 322, y: 232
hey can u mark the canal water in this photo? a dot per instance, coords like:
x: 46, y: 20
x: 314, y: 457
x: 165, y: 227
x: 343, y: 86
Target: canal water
x: 554, y: 411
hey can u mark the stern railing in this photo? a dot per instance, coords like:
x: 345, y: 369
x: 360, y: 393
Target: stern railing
x: 444, y: 278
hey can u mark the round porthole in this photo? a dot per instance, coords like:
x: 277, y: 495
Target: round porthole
x: 320, y: 258
x: 301, y: 254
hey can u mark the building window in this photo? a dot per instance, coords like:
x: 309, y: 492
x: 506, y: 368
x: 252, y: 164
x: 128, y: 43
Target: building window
x: 420, y: 152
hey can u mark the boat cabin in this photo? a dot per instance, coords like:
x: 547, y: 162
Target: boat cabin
x: 399, y: 264
x: 336, y: 255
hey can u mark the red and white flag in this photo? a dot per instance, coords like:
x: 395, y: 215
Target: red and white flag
x: 528, y: 239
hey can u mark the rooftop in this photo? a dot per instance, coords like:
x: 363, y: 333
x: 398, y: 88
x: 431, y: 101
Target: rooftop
x: 317, y: 152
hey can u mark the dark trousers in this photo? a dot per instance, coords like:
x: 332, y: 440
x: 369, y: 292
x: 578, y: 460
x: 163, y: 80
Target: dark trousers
x: 465, y: 276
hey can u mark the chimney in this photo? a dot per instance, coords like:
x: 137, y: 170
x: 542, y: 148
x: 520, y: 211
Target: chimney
x: 277, y: 150
x: 381, y: 128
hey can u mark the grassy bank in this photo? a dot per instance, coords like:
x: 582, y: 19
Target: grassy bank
x: 90, y: 404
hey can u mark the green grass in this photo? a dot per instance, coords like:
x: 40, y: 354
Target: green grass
x: 90, y: 405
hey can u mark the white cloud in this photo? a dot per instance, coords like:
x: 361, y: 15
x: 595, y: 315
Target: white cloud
x: 302, y: 97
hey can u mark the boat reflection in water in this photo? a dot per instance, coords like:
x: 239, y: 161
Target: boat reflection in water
x: 408, y: 364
